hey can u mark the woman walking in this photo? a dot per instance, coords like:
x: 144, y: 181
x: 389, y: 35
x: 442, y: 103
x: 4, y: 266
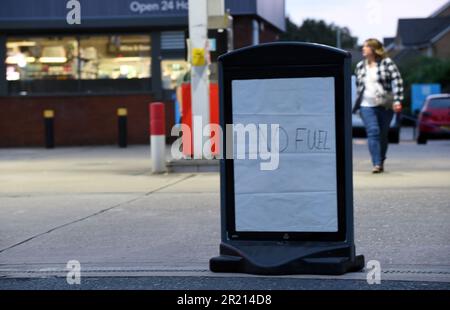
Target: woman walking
x: 380, y: 93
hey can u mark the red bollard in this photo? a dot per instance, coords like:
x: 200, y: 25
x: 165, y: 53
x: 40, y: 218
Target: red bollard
x: 158, y: 136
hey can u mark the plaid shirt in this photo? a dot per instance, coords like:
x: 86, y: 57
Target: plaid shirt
x: 388, y: 76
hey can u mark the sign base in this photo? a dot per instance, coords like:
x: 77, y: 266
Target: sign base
x: 273, y: 258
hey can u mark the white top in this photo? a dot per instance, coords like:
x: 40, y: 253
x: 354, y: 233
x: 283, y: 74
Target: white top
x: 372, y: 87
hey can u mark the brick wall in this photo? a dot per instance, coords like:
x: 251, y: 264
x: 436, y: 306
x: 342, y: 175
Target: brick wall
x: 242, y: 28
x: 242, y: 31
x: 79, y: 120
x: 269, y: 34
x: 442, y: 47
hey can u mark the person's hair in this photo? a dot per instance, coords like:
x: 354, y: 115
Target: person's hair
x: 377, y: 48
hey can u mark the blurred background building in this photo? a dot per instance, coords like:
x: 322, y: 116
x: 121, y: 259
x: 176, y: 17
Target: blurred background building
x: 428, y: 36
x: 124, y: 54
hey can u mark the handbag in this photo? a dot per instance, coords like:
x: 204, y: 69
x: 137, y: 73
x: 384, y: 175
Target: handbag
x: 385, y: 99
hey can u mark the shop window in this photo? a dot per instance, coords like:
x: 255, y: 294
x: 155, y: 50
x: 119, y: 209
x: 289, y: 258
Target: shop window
x: 174, y: 72
x: 115, y: 57
x: 97, y: 63
x: 42, y: 59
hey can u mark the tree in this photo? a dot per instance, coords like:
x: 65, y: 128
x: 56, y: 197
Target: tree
x: 424, y: 70
x: 318, y: 31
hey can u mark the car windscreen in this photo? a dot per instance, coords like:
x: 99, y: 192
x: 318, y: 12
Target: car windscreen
x: 439, y: 103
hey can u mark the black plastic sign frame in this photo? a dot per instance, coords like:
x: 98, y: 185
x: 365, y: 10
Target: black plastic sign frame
x: 289, y: 252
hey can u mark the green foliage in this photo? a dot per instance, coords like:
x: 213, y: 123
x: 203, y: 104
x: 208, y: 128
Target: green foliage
x: 425, y: 70
x: 317, y: 31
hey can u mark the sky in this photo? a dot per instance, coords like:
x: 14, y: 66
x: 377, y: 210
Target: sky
x: 364, y: 18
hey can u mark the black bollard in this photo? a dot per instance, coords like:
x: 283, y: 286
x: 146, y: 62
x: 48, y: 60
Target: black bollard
x: 49, y: 116
x: 122, y: 121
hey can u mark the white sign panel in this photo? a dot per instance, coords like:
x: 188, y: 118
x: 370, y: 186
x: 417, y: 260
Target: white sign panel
x: 300, y: 195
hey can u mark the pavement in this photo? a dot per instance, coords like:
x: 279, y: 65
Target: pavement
x: 130, y: 229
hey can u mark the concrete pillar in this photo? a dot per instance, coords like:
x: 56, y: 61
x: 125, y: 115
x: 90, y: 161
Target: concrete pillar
x: 198, y: 36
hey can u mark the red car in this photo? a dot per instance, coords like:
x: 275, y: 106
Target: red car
x: 434, y: 119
